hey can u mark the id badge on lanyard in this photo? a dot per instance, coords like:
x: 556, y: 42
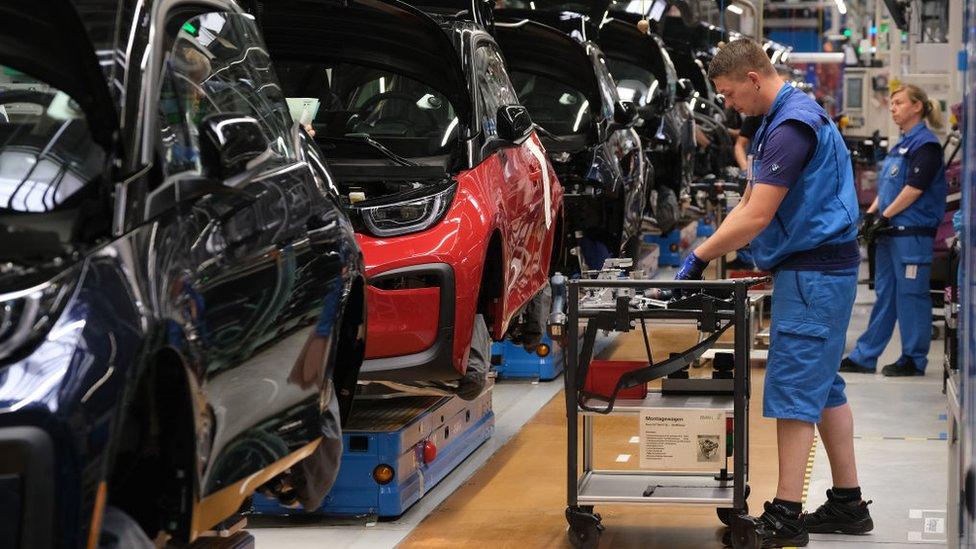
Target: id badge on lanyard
x: 750, y: 169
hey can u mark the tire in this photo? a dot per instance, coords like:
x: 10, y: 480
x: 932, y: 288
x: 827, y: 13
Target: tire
x: 475, y: 377
x: 584, y: 538
x: 667, y: 211
x: 585, y: 527
x: 120, y: 531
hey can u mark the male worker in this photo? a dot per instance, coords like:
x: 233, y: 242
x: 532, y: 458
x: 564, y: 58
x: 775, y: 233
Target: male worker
x: 799, y: 213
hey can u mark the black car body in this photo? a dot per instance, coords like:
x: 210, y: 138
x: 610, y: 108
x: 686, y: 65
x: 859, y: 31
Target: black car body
x: 645, y: 74
x: 691, y: 48
x: 181, y: 296
x: 587, y: 131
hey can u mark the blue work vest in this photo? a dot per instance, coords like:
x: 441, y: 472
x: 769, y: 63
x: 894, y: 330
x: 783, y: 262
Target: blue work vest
x: 820, y: 208
x: 928, y: 209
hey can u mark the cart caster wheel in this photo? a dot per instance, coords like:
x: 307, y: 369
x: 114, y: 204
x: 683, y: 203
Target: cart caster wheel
x: 725, y: 514
x: 745, y: 533
x: 584, y: 528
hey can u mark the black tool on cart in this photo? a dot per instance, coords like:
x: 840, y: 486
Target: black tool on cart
x: 620, y: 305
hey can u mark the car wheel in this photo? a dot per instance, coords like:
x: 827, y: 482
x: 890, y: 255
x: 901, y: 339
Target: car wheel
x: 475, y: 377
x: 120, y: 531
x: 667, y: 211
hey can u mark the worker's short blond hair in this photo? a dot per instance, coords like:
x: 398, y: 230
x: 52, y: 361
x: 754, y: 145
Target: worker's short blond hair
x: 739, y: 57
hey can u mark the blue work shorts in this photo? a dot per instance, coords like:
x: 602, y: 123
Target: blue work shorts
x: 810, y: 314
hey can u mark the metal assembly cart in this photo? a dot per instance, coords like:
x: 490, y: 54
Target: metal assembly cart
x: 622, y: 305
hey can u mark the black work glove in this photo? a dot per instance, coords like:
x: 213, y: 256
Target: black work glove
x: 867, y: 220
x: 878, y: 227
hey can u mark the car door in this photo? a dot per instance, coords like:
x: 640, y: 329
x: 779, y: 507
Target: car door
x: 524, y: 186
x: 239, y: 280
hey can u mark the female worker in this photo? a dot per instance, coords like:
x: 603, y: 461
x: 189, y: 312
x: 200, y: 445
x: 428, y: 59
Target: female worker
x: 903, y: 221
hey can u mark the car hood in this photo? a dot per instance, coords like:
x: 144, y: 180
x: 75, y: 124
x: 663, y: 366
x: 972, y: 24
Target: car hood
x: 625, y: 42
x: 380, y: 33
x: 536, y: 48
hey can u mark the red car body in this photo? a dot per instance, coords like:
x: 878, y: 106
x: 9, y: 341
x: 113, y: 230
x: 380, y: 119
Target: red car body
x: 501, y: 198
x: 417, y: 112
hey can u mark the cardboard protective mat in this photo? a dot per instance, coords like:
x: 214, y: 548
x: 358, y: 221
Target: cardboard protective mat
x: 518, y: 499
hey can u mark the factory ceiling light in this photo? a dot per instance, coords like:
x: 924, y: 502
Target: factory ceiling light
x: 841, y: 6
x: 735, y: 9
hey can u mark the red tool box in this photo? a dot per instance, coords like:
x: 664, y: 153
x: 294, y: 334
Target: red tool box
x: 603, y: 375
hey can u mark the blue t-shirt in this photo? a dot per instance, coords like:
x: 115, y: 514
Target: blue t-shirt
x: 788, y: 149
x: 923, y: 165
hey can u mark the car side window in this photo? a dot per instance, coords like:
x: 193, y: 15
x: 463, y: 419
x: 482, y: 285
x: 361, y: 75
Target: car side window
x: 217, y: 64
x: 494, y: 87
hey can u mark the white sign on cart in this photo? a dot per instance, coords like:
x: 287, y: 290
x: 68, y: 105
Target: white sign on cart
x: 682, y: 439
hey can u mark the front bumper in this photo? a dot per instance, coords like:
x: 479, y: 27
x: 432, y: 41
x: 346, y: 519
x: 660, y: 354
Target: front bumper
x: 411, y: 331
x: 26, y: 488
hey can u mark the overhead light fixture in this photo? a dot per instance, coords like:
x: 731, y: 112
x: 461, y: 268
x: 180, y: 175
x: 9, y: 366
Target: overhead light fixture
x: 735, y: 9
x: 841, y: 6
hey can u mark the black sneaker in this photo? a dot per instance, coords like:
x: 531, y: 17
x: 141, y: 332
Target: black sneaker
x: 776, y: 528
x: 839, y: 517
x: 848, y: 365
x: 902, y: 368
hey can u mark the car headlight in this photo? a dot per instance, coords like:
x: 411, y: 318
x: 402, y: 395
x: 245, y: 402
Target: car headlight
x: 408, y: 212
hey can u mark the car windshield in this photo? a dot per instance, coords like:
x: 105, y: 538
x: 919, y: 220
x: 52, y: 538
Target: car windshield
x: 346, y: 102
x: 558, y: 108
x: 49, y: 173
x: 47, y: 155
x: 634, y: 83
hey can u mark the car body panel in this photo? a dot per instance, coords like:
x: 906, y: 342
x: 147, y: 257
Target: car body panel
x: 609, y: 160
x: 668, y: 131
x: 237, y: 295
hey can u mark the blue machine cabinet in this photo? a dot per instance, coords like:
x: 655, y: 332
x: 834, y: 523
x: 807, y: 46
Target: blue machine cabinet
x: 669, y: 245
x: 512, y: 361
x: 421, y: 438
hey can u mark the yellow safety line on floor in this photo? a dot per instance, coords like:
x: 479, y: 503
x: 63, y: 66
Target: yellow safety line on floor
x: 809, y: 472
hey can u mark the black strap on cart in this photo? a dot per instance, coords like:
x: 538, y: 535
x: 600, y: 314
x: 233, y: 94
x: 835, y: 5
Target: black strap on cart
x: 706, y: 305
x: 642, y: 375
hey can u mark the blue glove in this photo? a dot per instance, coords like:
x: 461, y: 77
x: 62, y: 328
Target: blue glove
x: 692, y: 269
